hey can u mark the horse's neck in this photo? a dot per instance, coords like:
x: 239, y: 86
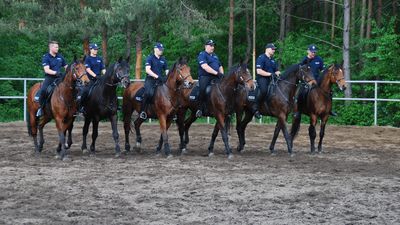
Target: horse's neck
x: 228, y: 85
x: 68, y: 82
x: 326, y: 84
x: 288, y: 85
x: 171, y: 82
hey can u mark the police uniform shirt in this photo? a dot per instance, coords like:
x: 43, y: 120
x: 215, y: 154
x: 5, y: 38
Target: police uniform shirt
x: 210, y: 59
x: 157, y: 65
x: 316, y: 64
x: 54, y: 62
x: 267, y: 64
x: 96, y: 64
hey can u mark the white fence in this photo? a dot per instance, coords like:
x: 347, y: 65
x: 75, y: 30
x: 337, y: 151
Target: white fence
x: 375, y: 99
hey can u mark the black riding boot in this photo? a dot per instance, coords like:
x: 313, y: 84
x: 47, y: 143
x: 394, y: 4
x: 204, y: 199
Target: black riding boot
x: 143, y: 108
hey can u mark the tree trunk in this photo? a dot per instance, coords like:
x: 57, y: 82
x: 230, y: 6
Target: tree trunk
x: 254, y: 40
x: 104, y: 42
x: 394, y: 12
x: 346, y: 49
x: 288, y: 19
x: 138, y: 66
x: 369, y: 19
x: 352, y: 21
x: 283, y: 21
x: 248, y: 35
x: 333, y: 20
x: 379, y: 13
x: 362, y: 24
x: 128, y: 39
x: 325, y: 26
x: 82, y: 5
x: 230, y: 39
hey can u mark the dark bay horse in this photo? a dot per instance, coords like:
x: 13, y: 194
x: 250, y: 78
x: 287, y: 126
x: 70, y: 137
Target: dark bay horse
x: 278, y: 104
x: 166, y: 102
x: 102, y: 102
x: 318, y: 104
x: 62, y: 108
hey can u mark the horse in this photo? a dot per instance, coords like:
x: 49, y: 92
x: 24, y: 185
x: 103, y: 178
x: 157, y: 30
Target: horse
x: 278, y: 104
x: 62, y: 108
x: 318, y: 104
x: 102, y: 103
x: 166, y: 102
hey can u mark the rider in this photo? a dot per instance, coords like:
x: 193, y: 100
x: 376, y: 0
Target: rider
x: 95, y: 68
x: 266, y: 68
x: 210, y: 68
x: 316, y: 64
x: 156, y: 64
x: 52, y: 63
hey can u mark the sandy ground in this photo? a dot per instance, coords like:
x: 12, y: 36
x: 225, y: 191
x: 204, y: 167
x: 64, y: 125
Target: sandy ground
x: 356, y: 180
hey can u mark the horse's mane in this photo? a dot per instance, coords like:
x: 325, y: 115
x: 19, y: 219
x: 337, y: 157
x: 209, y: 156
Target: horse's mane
x: 180, y: 61
x: 234, y: 68
x: 290, y: 70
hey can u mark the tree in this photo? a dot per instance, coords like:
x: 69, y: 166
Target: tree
x: 346, y: 45
x: 230, y: 39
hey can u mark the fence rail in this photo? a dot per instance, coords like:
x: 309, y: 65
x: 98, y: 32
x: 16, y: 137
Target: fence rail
x: 375, y: 99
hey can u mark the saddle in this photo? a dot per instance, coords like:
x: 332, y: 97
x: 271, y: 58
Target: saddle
x: 139, y: 96
x: 194, y: 94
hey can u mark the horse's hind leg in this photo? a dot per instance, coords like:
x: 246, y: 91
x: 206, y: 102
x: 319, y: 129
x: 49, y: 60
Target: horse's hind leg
x: 127, y: 125
x: 241, y: 129
x: 138, y: 123
x: 288, y: 139
x: 312, y: 133
x: 213, y: 137
x: 224, y: 133
x: 85, y: 131
x: 322, y: 133
x: 95, y: 133
x: 274, y: 138
x: 181, y: 129
x: 164, y: 125
x: 159, y: 146
x: 114, y: 127
x: 188, y: 123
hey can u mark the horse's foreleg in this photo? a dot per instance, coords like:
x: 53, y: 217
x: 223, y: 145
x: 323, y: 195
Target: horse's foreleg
x: 275, y: 137
x: 41, y: 138
x: 127, y: 125
x: 115, y: 134
x: 312, y: 133
x: 138, y: 123
x: 85, y: 131
x: 286, y: 134
x: 95, y: 133
x: 213, y: 137
x: 159, y: 146
x: 181, y: 129
x: 324, y: 120
x: 61, y: 127
x: 164, y: 124
x: 241, y: 127
x: 224, y: 133
x: 188, y: 123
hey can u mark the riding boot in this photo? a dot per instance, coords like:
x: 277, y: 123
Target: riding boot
x: 39, y: 113
x: 255, y: 111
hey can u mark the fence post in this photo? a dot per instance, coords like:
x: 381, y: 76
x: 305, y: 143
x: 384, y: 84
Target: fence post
x: 376, y: 104
x: 24, y: 100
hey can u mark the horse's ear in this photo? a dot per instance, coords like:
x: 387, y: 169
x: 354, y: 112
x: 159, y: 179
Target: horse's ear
x: 341, y: 64
x: 128, y: 58
x: 120, y: 59
x: 75, y: 59
x: 84, y: 57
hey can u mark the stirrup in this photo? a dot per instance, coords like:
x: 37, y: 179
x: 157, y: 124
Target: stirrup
x: 143, y: 115
x: 39, y: 113
x: 257, y: 115
x: 199, y: 113
x: 332, y: 113
x: 36, y: 99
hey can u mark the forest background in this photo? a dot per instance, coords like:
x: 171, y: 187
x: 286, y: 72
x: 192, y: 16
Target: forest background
x: 362, y: 33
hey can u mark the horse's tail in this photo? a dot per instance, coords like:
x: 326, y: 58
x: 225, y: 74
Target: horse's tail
x: 28, y: 123
x: 295, y: 126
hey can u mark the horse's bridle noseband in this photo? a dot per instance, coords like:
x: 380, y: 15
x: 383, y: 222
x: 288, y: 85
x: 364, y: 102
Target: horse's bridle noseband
x: 73, y: 71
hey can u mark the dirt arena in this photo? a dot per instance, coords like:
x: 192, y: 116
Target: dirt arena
x: 355, y: 181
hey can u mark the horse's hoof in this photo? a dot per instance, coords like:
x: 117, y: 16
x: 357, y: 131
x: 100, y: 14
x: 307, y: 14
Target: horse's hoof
x: 117, y: 155
x: 66, y: 159
x: 170, y: 156
x: 92, y: 154
x: 85, y: 151
x: 211, y: 154
x: 184, y: 151
x: 273, y: 153
x: 312, y: 153
x: 230, y: 156
x: 57, y: 156
x: 138, y: 144
x: 292, y: 154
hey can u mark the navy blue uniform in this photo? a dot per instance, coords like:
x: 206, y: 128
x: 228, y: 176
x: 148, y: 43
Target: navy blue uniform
x: 205, y: 78
x: 158, y: 66
x: 55, y: 63
x: 268, y: 65
x: 316, y: 64
x: 96, y: 64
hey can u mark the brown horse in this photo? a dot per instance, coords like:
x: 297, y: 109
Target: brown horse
x: 62, y: 108
x: 318, y: 104
x: 164, y: 107
x: 278, y: 104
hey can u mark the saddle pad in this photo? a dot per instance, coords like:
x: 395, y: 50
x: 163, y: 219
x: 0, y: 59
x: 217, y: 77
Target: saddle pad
x: 139, y: 95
